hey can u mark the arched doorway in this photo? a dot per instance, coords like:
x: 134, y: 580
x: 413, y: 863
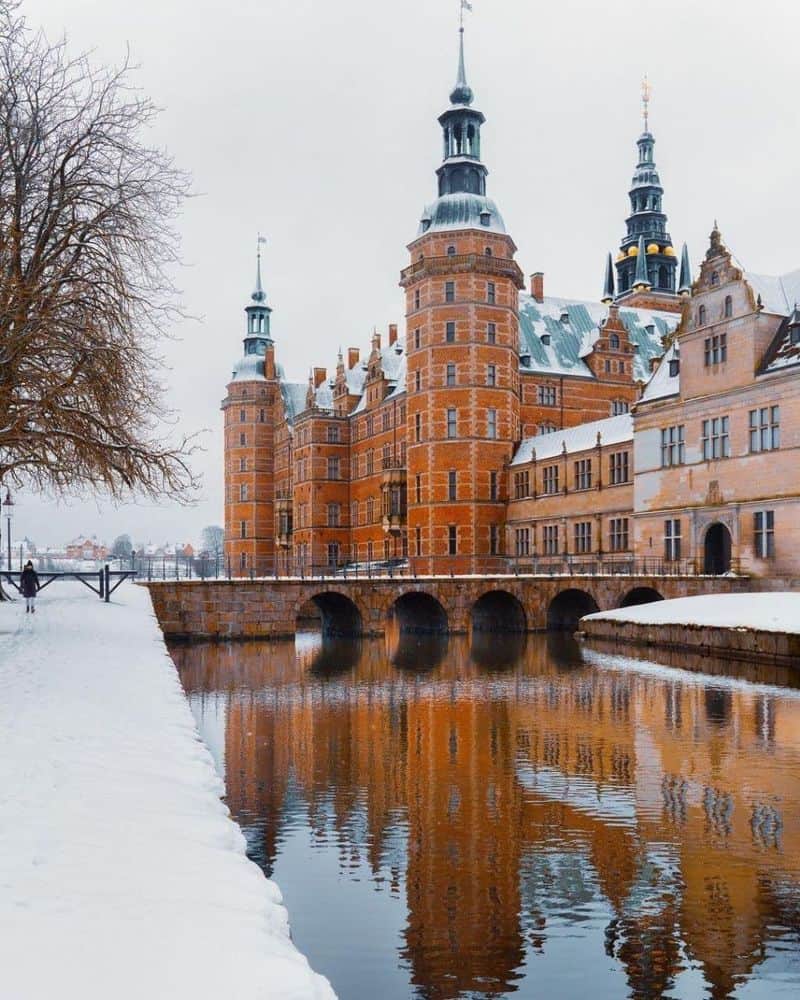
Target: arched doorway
x: 332, y: 613
x: 717, y: 550
x: 640, y: 595
x: 419, y: 612
x: 567, y: 609
x: 498, y: 611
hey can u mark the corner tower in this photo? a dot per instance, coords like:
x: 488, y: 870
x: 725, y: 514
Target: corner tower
x: 649, y: 282
x: 250, y: 420
x: 462, y: 307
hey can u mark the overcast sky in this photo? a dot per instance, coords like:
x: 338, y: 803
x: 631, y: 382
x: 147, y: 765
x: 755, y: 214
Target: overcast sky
x: 315, y: 122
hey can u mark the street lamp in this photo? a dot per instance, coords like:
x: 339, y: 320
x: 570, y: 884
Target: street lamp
x: 8, y: 510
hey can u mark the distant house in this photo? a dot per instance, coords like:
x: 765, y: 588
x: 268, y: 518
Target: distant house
x: 87, y: 548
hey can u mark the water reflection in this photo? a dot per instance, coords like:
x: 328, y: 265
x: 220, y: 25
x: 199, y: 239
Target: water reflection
x: 535, y: 819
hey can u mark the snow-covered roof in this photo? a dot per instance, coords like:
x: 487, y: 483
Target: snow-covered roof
x: 249, y: 369
x: 779, y: 293
x: 461, y: 211
x: 573, y: 327
x: 612, y: 430
x: 294, y: 396
x: 663, y: 384
x: 393, y: 365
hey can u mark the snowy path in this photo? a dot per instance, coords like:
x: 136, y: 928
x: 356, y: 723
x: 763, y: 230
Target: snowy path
x: 767, y: 612
x: 121, y: 872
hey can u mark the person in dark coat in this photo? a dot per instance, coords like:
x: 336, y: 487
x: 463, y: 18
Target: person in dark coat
x: 29, y: 585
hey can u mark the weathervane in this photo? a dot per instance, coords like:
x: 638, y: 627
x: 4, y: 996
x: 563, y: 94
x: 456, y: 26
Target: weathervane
x: 261, y: 241
x: 463, y: 5
x: 647, y: 93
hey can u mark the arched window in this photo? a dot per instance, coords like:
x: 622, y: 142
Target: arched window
x: 488, y: 251
x: 663, y: 277
x: 451, y: 251
x: 728, y: 306
x: 613, y: 341
x: 701, y: 316
x: 715, y: 278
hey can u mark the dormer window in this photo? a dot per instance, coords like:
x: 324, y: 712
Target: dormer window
x: 564, y: 318
x: 613, y: 342
x: 545, y: 338
x: 674, y: 367
x: 714, y: 279
x: 451, y: 251
x: 486, y: 218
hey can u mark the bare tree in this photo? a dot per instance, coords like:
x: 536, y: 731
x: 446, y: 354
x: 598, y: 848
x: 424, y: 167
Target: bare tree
x: 87, y: 245
x: 213, y: 540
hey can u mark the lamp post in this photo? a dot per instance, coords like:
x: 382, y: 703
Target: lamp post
x: 8, y: 510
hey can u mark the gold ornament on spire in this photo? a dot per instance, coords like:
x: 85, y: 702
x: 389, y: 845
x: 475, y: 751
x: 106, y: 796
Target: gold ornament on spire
x: 647, y: 93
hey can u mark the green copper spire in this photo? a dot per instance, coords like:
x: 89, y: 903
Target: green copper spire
x: 640, y: 279
x: 608, y: 285
x: 685, y: 283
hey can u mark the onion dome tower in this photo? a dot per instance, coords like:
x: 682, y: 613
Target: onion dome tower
x: 462, y: 314
x: 647, y: 224
x: 250, y: 419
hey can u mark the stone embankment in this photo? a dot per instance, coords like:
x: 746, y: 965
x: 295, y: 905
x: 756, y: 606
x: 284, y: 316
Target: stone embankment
x: 756, y: 628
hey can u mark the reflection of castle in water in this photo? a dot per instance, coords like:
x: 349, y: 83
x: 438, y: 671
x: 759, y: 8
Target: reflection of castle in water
x: 527, y: 784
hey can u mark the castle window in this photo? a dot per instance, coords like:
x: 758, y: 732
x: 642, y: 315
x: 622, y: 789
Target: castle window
x: 242, y: 416
x: 701, y: 316
x: 716, y: 442
x: 546, y: 395
x: 417, y: 427
x: 418, y: 540
x: 452, y: 484
x: 354, y: 513
x: 452, y: 540
x: 550, y: 539
x: 765, y: 429
x: 416, y: 299
x: 370, y: 513
x: 491, y: 333
x: 333, y: 433
x: 583, y: 537
x: 583, y: 474
x: 522, y: 541
x: 714, y: 278
x: 243, y: 560
x: 672, y: 446
x: 418, y: 488
x: 451, y: 251
x: 334, y: 515
x: 452, y: 427
x: 451, y: 374
x: 416, y: 340
x: 715, y: 349
x: 370, y: 462
x: 242, y: 440
x: 242, y: 465
x: 333, y: 553
x: 494, y: 540
x: 607, y: 365
x: 672, y: 540
x: 618, y: 466
x: 618, y: 534
x: 243, y: 529
x: 491, y: 292
x: 491, y: 424
x: 550, y: 479
x: 449, y: 291
x: 387, y: 419
x: 764, y: 534
x: 493, y: 486
x: 262, y: 416
x: 663, y: 277
x: 613, y: 342
x: 728, y: 307
x: 243, y: 491
x: 620, y: 406
x: 333, y: 468
x: 547, y: 428
x: 491, y: 375
x: 488, y: 251
x: 450, y: 333
x: 417, y: 380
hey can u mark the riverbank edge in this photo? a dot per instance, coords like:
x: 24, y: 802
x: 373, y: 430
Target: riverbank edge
x: 741, y: 643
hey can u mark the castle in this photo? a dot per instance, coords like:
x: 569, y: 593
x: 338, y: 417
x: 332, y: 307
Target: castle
x: 467, y: 445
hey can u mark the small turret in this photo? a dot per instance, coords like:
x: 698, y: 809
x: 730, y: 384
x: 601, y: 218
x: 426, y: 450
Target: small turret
x: 640, y: 281
x: 685, y: 283
x: 608, y: 285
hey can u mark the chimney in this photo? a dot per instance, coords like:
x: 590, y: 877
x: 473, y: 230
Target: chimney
x: 392, y: 333
x: 376, y: 341
x: 320, y: 374
x: 537, y: 286
x: 353, y: 355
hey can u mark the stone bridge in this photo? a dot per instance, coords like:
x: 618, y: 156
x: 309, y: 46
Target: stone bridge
x: 271, y: 609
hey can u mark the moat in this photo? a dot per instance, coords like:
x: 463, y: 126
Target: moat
x: 515, y: 815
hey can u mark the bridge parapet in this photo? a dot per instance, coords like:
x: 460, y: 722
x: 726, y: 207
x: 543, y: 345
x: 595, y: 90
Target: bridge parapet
x: 269, y: 609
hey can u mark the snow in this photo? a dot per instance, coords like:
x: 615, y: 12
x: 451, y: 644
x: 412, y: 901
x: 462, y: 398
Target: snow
x: 663, y: 384
x: 612, y: 430
x: 767, y: 612
x: 122, y: 873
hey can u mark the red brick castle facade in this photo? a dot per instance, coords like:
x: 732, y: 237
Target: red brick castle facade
x: 404, y: 455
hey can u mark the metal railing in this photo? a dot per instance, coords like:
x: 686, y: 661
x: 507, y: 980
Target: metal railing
x: 98, y: 581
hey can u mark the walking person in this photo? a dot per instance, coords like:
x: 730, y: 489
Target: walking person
x: 29, y: 585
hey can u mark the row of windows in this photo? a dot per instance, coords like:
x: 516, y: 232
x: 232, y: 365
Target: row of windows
x: 764, y: 425
x: 619, y: 469
x: 450, y: 293
x: 450, y: 334
x: 389, y: 457
x: 452, y: 424
x: 552, y: 539
x: 727, y: 310
x: 451, y: 377
x: 243, y: 416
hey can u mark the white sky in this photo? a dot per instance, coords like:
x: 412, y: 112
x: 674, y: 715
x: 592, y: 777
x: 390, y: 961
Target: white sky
x: 315, y: 122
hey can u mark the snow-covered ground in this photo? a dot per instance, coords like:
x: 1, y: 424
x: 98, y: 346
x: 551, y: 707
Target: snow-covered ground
x: 768, y: 612
x: 122, y: 874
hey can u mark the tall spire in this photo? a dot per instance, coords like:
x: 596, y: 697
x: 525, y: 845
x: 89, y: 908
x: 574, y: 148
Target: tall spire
x: 462, y: 92
x: 685, y: 280
x: 608, y: 285
x: 259, y: 295
x: 647, y: 93
x: 258, y: 312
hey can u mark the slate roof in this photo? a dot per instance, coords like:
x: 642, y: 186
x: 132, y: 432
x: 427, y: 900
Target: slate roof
x: 574, y: 326
x: 612, y: 430
x: 782, y: 352
x: 460, y: 211
x: 294, y: 396
x: 779, y: 293
x: 662, y: 384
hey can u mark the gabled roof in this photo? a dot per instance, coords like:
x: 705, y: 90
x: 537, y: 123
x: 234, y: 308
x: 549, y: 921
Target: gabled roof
x: 573, y: 327
x: 782, y: 352
x: 779, y: 293
x: 612, y: 430
x: 293, y: 394
x: 662, y: 384
x: 393, y: 364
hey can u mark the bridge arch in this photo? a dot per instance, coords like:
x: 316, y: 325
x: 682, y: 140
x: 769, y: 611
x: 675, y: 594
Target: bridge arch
x: 337, y: 614
x: 498, y: 611
x: 640, y: 595
x: 418, y: 611
x: 568, y: 607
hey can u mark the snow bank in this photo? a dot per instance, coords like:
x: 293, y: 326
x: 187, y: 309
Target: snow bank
x: 769, y: 612
x: 122, y: 874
